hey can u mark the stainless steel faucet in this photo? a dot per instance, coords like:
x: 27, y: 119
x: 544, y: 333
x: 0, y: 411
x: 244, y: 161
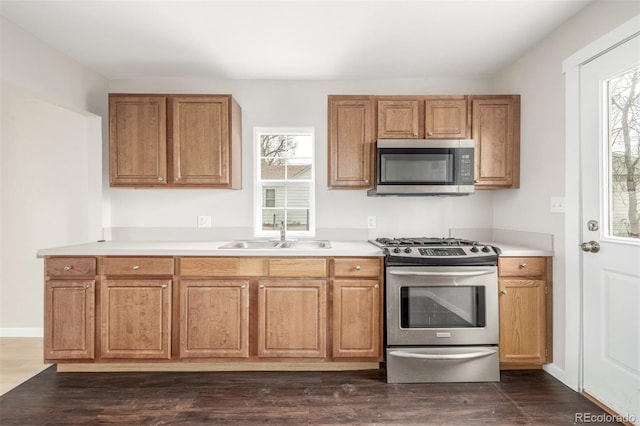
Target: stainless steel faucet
x: 283, y: 233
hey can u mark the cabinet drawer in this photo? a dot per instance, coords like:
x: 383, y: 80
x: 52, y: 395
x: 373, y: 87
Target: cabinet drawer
x: 70, y: 266
x: 298, y: 268
x: 138, y: 266
x: 356, y: 267
x: 221, y: 266
x: 521, y: 266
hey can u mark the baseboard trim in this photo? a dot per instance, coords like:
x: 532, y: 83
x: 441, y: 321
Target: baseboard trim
x: 21, y: 332
x: 217, y: 366
x: 615, y: 416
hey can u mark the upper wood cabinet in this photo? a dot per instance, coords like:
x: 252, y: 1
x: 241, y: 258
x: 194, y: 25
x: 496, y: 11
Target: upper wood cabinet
x: 137, y: 140
x: 424, y: 117
x: 398, y: 119
x: 175, y: 141
x: 496, y: 130
x: 446, y: 118
x: 351, y: 142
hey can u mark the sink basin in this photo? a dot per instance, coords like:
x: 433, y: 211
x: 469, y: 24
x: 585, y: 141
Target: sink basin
x: 251, y: 244
x: 306, y: 244
x: 272, y: 244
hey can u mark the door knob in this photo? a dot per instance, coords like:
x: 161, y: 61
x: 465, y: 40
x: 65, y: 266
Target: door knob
x: 591, y: 246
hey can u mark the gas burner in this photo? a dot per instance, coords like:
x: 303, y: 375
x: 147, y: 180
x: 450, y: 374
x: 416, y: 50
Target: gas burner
x: 423, y: 242
x: 436, y: 251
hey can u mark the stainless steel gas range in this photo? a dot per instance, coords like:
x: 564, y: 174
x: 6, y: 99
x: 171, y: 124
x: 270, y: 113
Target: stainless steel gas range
x: 441, y: 310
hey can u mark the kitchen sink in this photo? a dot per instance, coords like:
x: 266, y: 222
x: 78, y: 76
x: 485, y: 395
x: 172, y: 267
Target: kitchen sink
x: 273, y: 244
x: 251, y: 244
x: 305, y: 244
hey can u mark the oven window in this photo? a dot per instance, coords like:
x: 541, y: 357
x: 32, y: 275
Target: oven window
x: 442, y: 307
x: 416, y: 168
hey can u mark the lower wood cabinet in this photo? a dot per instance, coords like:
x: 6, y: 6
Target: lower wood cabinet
x: 118, y: 309
x: 69, y: 308
x: 356, y: 318
x: 292, y: 318
x: 135, y: 319
x: 525, y: 312
x: 214, y: 318
x: 69, y: 320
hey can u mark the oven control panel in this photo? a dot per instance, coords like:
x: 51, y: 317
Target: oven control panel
x: 442, y: 251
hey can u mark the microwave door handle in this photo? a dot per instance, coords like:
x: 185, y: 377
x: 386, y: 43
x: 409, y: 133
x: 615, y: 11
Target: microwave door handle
x: 470, y: 355
x: 441, y: 273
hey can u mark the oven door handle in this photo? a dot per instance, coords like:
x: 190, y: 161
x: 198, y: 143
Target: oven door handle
x: 470, y: 355
x: 441, y: 273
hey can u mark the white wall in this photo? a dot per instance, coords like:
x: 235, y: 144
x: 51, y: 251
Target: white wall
x: 51, y: 168
x: 538, y: 77
x: 299, y: 103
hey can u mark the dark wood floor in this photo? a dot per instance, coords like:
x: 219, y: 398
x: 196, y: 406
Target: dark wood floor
x: 364, y: 397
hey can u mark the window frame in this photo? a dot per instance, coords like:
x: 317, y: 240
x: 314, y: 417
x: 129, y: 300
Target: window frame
x: 260, y: 184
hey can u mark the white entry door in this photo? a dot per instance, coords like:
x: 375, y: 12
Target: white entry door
x: 610, y: 173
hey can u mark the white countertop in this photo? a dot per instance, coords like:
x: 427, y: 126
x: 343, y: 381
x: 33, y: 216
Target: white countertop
x: 512, y: 250
x: 203, y: 248
x: 211, y: 248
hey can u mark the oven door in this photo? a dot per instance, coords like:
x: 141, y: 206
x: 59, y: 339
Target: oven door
x: 442, y: 306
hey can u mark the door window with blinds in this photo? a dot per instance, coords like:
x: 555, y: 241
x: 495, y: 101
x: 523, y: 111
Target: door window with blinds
x: 284, y: 182
x: 623, y: 108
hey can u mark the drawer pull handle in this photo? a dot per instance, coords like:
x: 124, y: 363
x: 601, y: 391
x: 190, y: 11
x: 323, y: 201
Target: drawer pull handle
x: 136, y: 267
x: 68, y: 268
x: 358, y: 268
x: 523, y: 265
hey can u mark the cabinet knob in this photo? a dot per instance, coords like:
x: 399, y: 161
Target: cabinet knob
x: 430, y: 133
x: 136, y: 267
x: 358, y: 268
x: 164, y: 286
x: 176, y: 179
x: 243, y: 286
x: 160, y: 178
x: 503, y: 292
x: 523, y: 265
x: 87, y: 285
x: 261, y: 285
x: 376, y: 286
x: 68, y: 268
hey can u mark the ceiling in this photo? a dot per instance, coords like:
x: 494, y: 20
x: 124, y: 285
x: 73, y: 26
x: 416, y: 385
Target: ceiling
x: 292, y: 40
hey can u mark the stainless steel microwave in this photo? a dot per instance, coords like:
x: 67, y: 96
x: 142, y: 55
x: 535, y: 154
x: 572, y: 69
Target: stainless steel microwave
x: 424, y: 167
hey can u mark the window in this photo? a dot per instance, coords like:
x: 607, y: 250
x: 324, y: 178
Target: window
x: 284, y: 182
x: 624, y: 155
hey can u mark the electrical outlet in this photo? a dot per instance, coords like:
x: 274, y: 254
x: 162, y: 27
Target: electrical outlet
x: 557, y: 205
x: 204, y: 221
x: 371, y: 222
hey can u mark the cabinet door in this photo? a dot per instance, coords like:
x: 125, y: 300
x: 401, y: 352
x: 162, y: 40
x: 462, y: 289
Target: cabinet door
x: 292, y: 318
x: 214, y: 318
x: 398, y: 119
x: 356, y: 319
x: 522, y: 321
x: 351, y: 142
x: 446, y: 118
x: 137, y: 140
x: 496, y: 130
x: 69, y: 320
x: 201, y: 140
x: 135, y: 319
